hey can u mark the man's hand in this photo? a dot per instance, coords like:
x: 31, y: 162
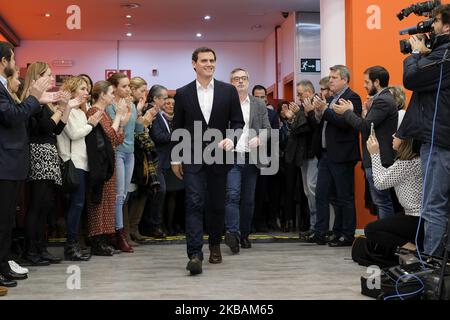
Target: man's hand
x: 418, y: 44
x: 319, y: 105
x: 294, y: 107
x: 226, y: 144
x: 372, y: 145
x: 178, y: 170
x: 307, y: 105
x: 254, y: 143
x: 343, y: 106
x: 366, y: 106
x: 39, y: 88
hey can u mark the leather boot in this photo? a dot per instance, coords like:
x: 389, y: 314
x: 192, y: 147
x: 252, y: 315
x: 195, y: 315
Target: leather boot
x: 122, y: 243
x: 215, y: 255
x: 126, y: 226
x: 72, y: 252
x: 98, y: 246
x: 136, y: 209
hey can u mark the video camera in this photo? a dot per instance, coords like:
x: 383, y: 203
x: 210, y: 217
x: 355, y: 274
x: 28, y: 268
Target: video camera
x: 424, y: 27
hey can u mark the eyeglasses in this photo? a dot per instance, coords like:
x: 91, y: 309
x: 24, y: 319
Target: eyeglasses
x: 323, y: 89
x: 237, y: 79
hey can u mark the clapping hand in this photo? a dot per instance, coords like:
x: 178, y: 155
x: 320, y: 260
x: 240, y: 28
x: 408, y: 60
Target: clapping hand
x: 226, y: 144
x: 307, y: 105
x: 254, y: 143
x: 141, y: 104
x: 319, y: 104
x: 95, y: 118
x: 294, y: 107
x: 148, y: 117
x: 342, y: 106
x: 38, y: 90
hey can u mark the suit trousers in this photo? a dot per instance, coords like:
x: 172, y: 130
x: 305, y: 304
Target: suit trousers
x: 205, y: 197
x: 9, y: 195
x: 339, y: 176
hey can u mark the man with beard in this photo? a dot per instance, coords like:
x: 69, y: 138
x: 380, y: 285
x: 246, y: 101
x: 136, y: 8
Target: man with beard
x: 383, y: 116
x: 14, y: 152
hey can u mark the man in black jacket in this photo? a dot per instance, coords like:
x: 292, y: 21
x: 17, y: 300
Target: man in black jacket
x: 383, y: 115
x: 337, y: 147
x: 204, y: 104
x: 431, y: 100
x: 14, y: 152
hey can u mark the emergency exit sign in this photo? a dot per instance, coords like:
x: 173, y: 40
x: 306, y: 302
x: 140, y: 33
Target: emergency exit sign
x: 310, y: 65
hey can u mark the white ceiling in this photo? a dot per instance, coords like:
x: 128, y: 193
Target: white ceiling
x: 172, y: 20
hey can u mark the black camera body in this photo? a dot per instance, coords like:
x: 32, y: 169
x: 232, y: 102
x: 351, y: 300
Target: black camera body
x: 424, y: 27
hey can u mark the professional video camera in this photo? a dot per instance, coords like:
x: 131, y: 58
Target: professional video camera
x: 423, y: 28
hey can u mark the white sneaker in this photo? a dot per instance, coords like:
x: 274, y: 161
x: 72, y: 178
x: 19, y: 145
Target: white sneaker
x: 16, y: 268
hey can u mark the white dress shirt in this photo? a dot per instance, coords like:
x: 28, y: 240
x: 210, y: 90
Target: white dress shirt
x: 4, y: 82
x: 242, y: 145
x: 205, y: 98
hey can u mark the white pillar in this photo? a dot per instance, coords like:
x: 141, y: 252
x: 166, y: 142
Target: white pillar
x: 332, y: 34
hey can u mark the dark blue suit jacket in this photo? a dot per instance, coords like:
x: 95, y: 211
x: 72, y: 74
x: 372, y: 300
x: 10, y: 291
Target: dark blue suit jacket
x: 14, y: 146
x: 161, y: 137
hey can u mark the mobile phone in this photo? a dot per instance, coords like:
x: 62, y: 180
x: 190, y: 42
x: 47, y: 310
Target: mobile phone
x: 372, y: 131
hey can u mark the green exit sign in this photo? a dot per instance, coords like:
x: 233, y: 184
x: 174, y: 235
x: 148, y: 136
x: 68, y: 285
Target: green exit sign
x: 310, y: 65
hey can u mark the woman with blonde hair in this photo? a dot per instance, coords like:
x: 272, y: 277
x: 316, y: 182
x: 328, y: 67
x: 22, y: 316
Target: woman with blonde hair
x: 45, y: 172
x: 72, y: 145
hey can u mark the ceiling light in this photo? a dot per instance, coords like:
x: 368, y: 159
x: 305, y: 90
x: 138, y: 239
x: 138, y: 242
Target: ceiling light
x: 128, y: 16
x: 256, y: 27
x: 129, y: 34
x: 198, y: 35
x: 48, y: 15
x: 207, y: 17
x: 128, y: 25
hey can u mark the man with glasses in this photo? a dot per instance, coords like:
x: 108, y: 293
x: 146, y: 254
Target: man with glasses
x: 241, y: 179
x: 324, y: 89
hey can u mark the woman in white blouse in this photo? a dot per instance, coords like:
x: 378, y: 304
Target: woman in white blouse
x: 405, y: 176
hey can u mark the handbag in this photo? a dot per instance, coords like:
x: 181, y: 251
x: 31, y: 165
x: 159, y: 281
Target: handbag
x: 70, y: 179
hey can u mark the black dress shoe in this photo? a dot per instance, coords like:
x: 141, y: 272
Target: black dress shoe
x: 35, y: 260
x: 7, y: 283
x: 317, y: 239
x: 215, y: 255
x: 45, y: 255
x: 232, y: 241
x: 194, y: 265
x: 340, y: 243
x: 245, y: 243
x: 11, y: 275
x: 157, y: 232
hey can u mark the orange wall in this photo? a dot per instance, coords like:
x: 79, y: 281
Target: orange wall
x: 2, y: 38
x: 365, y: 48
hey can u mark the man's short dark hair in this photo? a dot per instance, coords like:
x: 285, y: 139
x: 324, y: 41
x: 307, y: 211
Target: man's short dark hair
x: 259, y: 87
x: 444, y: 11
x: 6, y: 50
x: 380, y: 73
x: 202, y: 49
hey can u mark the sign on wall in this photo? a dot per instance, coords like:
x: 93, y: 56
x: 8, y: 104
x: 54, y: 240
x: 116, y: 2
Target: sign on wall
x: 110, y: 72
x: 310, y: 65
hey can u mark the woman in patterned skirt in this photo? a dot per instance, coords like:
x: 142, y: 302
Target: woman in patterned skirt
x: 45, y: 171
x: 101, y: 212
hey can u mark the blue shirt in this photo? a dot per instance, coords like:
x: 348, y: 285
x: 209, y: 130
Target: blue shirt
x: 130, y: 128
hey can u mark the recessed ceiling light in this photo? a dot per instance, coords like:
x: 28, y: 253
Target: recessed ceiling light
x: 48, y: 15
x: 256, y: 27
x: 207, y: 17
x: 198, y: 35
x: 129, y: 34
x: 128, y: 25
x: 128, y: 16
x: 130, y: 5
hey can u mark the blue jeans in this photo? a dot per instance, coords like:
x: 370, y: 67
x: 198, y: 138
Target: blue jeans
x: 380, y: 198
x: 339, y: 176
x: 309, y: 178
x: 205, y: 195
x: 124, y: 172
x: 240, y: 199
x: 436, y: 205
x: 76, y: 208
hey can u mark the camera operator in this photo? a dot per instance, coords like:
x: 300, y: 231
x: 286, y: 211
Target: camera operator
x: 422, y: 75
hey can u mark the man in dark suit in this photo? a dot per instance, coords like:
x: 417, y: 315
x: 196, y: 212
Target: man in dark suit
x: 14, y: 153
x: 241, y: 179
x: 383, y: 115
x: 204, y: 104
x: 337, y: 147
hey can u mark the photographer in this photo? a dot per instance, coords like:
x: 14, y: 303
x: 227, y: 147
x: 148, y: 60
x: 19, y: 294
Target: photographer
x: 419, y: 123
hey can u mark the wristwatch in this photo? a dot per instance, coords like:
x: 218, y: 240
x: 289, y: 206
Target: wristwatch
x: 416, y: 51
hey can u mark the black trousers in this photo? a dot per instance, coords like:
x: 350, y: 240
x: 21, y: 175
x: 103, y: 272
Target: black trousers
x: 42, y: 202
x: 9, y: 195
x: 396, y: 231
